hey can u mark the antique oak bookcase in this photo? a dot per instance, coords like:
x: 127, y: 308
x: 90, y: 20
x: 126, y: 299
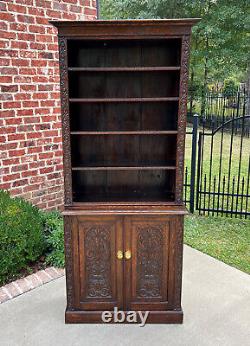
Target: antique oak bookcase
x: 123, y: 97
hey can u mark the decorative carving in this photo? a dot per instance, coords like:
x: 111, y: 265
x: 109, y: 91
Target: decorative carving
x: 65, y: 119
x: 68, y: 261
x: 178, y: 260
x: 182, y: 116
x: 149, y: 261
x: 97, y: 247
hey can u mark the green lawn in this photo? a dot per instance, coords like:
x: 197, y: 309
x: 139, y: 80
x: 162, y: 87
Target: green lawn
x: 235, y: 162
x: 223, y: 238
x: 225, y: 153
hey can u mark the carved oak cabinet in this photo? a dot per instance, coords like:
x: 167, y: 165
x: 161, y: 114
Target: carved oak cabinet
x: 123, y: 97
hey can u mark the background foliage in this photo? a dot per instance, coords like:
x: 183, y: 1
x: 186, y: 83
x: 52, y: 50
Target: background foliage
x: 27, y: 236
x: 53, y: 229
x: 21, y: 235
x: 220, y: 42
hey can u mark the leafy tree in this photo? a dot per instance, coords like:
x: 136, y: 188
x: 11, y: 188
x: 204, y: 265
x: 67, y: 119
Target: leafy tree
x: 230, y: 87
x: 220, y: 40
x: 139, y: 9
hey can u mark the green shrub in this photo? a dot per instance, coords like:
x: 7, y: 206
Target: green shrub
x: 21, y: 235
x: 53, y: 228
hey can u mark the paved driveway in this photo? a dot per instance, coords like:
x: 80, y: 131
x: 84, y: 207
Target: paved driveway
x: 216, y: 304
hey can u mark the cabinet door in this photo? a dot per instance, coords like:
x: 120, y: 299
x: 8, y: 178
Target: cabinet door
x: 148, y: 274
x: 99, y: 273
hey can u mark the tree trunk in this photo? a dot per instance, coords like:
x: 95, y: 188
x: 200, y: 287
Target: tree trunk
x: 204, y: 89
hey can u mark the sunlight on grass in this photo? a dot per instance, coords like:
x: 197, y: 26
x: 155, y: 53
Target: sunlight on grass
x: 223, y: 238
x: 229, y: 180
x: 236, y: 144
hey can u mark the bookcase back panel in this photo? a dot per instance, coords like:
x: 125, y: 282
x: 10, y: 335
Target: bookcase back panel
x: 110, y: 82
x: 123, y: 84
x: 124, y: 53
x: 136, y: 185
x: 123, y: 150
x: 149, y: 116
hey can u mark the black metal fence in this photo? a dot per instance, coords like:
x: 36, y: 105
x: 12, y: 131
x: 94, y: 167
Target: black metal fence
x: 217, y: 173
x: 221, y: 109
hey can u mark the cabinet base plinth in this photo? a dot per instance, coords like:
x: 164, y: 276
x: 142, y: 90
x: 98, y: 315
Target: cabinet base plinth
x: 171, y: 317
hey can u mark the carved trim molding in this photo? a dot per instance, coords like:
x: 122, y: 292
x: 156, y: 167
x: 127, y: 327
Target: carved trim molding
x: 63, y: 62
x: 179, y: 260
x: 182, y: 116
x: 69, y: 261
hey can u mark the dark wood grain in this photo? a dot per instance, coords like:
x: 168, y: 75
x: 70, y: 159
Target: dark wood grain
x: 124, y: 69
x: 147, y: 271
x: 123, y: 95
x: 121, y: 168
x: 125, y: 99
x: 98, y: 273
x: 129, y: 29
x: 63, y: 59
x: 124, y: 133
x: 182, y: 116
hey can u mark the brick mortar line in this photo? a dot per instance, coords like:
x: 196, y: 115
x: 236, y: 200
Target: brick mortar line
x: 17, y: 287
x: 38, y: 278
x: 50, y: 277
x: 7, y: 292
x: 28, y: 283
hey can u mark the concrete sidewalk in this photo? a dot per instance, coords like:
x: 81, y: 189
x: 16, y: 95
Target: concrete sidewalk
x: 216, y: 304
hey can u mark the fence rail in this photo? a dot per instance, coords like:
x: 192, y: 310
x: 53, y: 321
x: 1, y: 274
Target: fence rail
x: 217, y: 177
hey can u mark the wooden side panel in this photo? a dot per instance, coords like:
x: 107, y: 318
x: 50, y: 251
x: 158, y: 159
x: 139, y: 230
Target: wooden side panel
x: 98, y: 276
x: 69, y: 261
x: 147, y: 273
x: 183, y: 94
x: 64, y: 87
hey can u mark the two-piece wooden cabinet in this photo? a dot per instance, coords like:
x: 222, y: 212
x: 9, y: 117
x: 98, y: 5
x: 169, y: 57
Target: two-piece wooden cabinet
x: 123, y: 96
x: 129, y: 262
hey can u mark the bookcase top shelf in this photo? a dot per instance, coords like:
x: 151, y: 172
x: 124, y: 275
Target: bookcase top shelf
x: 145, y: 99
x: 123, y: 28
x: 93, y: 133
x: 124, y: 69
x: 128, y: 22
x: 122, y: 168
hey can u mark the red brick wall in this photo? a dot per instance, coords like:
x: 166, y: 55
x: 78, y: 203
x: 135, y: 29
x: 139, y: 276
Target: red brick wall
x: 30, y: 129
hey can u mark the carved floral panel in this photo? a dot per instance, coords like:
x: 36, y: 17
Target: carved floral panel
x: 149, y: 265
x: 97, y: 247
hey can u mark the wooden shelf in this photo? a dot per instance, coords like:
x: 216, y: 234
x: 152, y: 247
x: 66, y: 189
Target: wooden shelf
x: 125, y: 69
x: 127, y: 199
x: 104, y: 100
x: 122, y: 168
x: 94, y: 133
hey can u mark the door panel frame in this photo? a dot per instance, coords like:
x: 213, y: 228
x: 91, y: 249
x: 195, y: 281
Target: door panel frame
x: 151, y: 303
x: 116, y: 243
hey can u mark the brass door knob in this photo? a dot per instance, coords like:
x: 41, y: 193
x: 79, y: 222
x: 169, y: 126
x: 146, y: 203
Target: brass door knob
x: 128, y: 254
x: 119, y: 255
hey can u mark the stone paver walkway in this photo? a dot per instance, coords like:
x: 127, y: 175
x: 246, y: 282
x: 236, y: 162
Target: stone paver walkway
x: 216, y: 304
